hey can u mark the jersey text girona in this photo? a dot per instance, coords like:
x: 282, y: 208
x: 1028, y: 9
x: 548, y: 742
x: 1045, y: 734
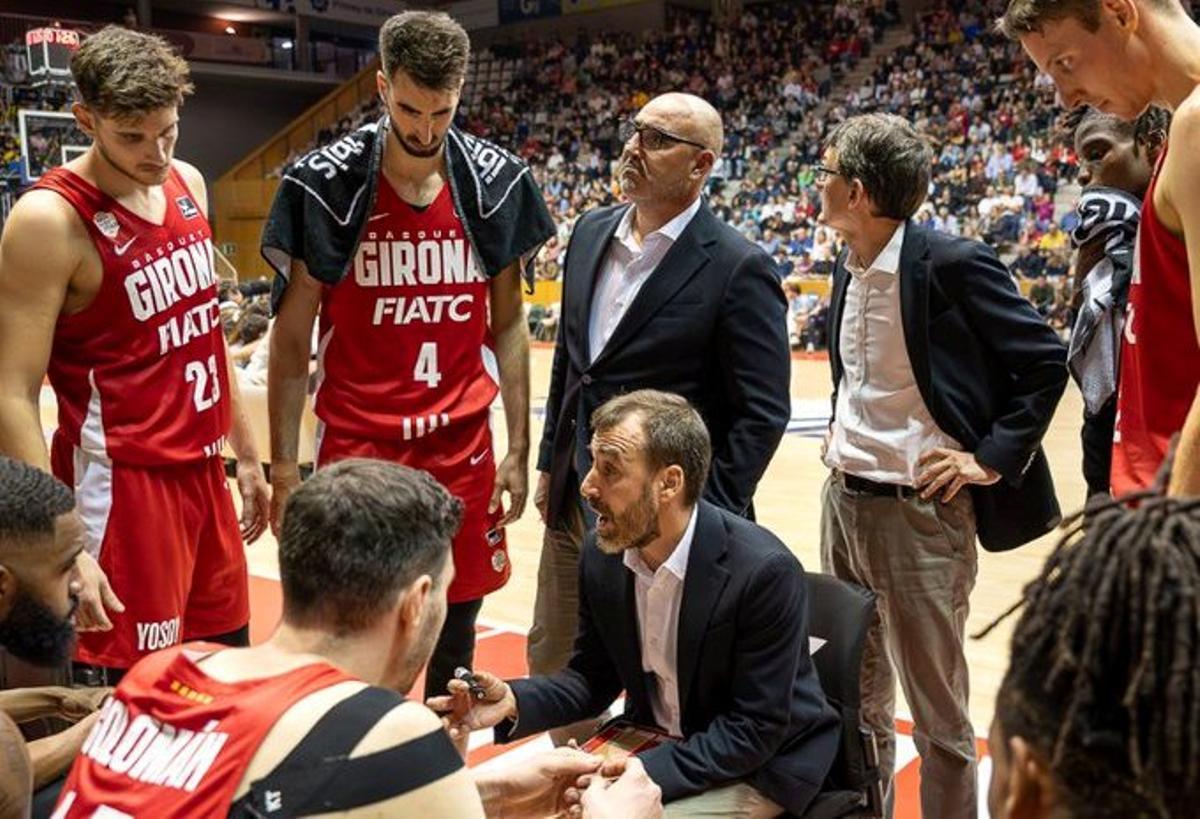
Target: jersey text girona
x: 1160, y: 360
x: 140, y: 373
x: 405, y: 347
x: 173, y: 742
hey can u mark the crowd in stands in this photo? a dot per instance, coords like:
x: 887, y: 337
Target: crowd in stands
x: 788, y: 57
x: 991, y: 118
x: 989, y: 115
x: 245, y: 319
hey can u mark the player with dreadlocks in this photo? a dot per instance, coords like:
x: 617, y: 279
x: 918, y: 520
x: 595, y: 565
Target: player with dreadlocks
x: 1099, y: 712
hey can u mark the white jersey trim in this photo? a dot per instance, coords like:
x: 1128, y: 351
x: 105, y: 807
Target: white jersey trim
x: 489, y: 363
x: 319, y: 438
x: 91, y: 433
x: 93, y: 497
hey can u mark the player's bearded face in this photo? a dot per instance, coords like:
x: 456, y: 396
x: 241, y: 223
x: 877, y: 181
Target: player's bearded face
x: 34, y: 633
x: 414, y: 145
x: 426, y: 639
x: 420, y: 116
x: 140, y: 148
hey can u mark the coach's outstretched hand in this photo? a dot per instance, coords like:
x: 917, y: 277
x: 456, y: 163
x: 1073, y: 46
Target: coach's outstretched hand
x: 95, y: 595
x: 463, y: 712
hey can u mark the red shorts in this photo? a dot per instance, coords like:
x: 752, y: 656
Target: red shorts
x: 168, y: 539
x: 460, y: 458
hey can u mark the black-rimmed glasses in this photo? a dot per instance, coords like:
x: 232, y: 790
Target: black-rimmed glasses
x: 821, y: 173
x: 651, y: 138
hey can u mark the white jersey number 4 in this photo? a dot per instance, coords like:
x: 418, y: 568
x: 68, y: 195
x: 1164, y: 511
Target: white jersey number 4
x: 427, y: 365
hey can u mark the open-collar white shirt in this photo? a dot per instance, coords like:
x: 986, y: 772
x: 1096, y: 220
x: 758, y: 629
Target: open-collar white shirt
x: 882, y: 426
x: 659, y: 596
x: 626, y: 267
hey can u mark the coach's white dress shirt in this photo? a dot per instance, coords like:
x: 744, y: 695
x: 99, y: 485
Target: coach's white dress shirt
x: 882, y: 426
x: 625, y: 269
x: 659, y: 594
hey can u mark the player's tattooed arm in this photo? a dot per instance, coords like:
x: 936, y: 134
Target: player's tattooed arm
x: 512, y: 351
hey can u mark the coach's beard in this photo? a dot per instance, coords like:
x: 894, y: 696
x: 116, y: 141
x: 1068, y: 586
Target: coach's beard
x: 636, y: 528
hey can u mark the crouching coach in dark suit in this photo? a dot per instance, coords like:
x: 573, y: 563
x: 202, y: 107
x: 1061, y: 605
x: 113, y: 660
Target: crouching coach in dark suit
x: 697, y: 614
x: 945, y: 380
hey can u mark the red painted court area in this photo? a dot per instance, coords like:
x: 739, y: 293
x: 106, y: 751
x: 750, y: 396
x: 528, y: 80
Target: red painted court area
x: 502, y: 651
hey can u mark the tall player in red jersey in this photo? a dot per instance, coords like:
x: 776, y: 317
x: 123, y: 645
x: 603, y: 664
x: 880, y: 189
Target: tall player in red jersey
x: 1122, y: 56
x: 415, y: 341
x: 107, y: 286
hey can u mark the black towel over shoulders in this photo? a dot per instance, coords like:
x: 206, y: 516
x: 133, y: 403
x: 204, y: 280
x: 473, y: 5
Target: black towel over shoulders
x: 326, y: 197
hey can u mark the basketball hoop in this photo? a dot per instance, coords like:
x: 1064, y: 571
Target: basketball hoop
x: 49, y: 53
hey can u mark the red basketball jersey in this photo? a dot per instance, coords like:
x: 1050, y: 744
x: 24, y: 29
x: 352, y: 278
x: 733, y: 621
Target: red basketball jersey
x: 406, y: 348
x: 140, y: 373
x: 173, y: 742
x: 1160, y: 361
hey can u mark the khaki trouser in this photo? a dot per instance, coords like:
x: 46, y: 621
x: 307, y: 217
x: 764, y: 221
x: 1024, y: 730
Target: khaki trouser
x: 737, y: 801
x: 556, y: 612
x: 919, y: 558
x: 556, y: 605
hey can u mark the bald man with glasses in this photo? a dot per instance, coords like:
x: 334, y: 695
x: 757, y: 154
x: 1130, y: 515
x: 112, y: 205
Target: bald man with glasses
x: 657, y: 293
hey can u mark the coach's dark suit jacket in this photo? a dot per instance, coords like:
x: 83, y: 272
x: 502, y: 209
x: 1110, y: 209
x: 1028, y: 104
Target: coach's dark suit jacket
x: 989, y: 368
x: 709, y: 324
x: 751, y: 706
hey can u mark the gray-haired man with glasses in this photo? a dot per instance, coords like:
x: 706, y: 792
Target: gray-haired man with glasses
x: 945, y: 379
x: 657, y: 293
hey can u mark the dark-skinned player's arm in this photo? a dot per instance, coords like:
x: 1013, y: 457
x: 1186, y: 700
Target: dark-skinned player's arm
x: 287, y: 382
x: 512, y: 351
x: 41, y: 251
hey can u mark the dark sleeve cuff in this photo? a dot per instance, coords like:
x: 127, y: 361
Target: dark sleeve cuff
x: 1010, y: 466
x: 505, y: 732
x: 545, y: 456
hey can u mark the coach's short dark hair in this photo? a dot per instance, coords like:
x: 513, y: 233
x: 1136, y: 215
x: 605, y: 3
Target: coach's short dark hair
x: 887, y: 155
x: 674, y: 433
x: 357, y: 533
x: 429, y: 46
x: 30, y: 501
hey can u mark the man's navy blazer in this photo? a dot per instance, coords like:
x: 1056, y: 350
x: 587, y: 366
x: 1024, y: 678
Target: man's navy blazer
x: 751, y: 706
x: 988, y: 367
x: 709, y: 324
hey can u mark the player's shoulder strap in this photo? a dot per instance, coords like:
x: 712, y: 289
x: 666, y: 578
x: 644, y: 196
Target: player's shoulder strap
x: 318, y: 776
